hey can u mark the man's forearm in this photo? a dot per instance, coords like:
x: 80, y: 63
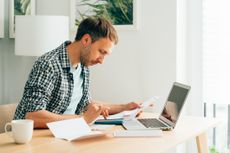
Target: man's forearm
x: 42, y: 117
x: 116, y: 108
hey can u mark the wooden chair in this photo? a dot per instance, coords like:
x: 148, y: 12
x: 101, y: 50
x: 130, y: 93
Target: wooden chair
x: 6, y: 114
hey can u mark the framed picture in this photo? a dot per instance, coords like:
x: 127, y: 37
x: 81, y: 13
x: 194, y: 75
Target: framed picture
x: 1, y: 18
x: 19, y: 7
x: 122, y: 13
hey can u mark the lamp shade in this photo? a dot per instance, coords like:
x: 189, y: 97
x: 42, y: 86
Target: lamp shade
x: 36, y: 35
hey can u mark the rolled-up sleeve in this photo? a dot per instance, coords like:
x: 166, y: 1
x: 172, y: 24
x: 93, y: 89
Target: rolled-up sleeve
x: 38, y: 90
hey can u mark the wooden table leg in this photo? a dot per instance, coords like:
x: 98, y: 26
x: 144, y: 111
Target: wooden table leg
x: 202, y: 145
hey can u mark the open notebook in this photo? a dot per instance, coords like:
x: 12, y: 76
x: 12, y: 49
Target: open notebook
x: 72, y: 129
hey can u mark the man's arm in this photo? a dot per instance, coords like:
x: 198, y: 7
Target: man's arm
x: 42, y: 117
x: 117, y: 108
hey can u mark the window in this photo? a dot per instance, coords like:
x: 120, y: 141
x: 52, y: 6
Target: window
x: 216, y: 62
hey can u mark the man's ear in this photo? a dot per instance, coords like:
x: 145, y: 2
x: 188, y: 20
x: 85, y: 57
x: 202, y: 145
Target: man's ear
x: 86, y: 40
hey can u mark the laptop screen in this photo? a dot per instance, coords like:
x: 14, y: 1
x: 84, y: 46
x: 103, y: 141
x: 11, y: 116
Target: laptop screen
x: 175, y: 102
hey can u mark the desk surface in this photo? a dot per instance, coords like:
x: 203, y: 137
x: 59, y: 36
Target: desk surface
x: 43, y: 141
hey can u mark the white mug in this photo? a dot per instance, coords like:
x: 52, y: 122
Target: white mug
x: 22, y: 130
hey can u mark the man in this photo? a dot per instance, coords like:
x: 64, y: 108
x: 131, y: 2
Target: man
x: 58, y: 85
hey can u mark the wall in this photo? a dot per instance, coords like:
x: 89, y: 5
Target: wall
x: 143, y: 64
x: 14, y: 69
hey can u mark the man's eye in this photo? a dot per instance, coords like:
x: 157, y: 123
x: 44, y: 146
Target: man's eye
x: 102, y: 52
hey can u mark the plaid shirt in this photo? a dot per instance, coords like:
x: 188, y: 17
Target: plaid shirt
x: 50, y: 85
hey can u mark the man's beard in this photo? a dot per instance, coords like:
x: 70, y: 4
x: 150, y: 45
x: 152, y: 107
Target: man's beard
x: 84, y: 58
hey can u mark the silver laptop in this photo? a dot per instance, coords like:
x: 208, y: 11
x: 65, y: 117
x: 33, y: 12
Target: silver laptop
x: 169, y: 115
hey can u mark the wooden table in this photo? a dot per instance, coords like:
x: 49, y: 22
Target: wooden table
x: 44, y: 142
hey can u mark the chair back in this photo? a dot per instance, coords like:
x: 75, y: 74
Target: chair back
x: 6, y: 114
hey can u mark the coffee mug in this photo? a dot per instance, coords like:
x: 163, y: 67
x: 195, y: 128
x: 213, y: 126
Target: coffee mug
x: 22, y: 130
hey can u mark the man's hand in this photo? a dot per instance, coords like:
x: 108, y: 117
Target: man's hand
x: 131, y: 106
x: 134, y: 105
x: 105, y: 111
x: 94, y: 110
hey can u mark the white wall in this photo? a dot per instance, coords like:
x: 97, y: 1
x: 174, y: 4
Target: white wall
x: 142, y: 64
x: 14, y: 70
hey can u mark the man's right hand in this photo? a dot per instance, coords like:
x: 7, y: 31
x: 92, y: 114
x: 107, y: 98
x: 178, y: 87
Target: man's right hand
x: 93, y: 111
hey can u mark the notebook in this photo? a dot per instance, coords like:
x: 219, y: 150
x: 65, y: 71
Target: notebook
x: 72, y: 129
x: 170, y: 112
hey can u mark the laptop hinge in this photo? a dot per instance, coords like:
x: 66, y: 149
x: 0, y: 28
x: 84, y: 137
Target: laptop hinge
x: 165, y: 122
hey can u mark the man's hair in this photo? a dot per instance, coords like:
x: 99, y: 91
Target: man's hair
x: 97, y: 28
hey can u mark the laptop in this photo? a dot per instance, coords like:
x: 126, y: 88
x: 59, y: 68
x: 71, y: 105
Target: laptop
x: 170, y: 112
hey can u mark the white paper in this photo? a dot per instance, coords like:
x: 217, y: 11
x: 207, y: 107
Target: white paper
x: 72, y: 129
x: 144, y: 105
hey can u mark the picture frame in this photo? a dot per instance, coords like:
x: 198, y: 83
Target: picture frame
x: 1, y: 18
x: 17, y: 8
x: 80, y: 9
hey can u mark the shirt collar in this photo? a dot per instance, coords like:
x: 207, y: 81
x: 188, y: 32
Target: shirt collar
x: 64, y: 58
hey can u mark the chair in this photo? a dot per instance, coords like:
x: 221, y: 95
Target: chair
x: 6, y: 114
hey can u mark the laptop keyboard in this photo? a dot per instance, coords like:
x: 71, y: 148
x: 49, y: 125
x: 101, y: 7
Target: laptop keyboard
x: 151, y: 122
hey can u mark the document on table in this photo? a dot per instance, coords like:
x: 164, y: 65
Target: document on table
x: 132, y: 113
x: 72, y: 129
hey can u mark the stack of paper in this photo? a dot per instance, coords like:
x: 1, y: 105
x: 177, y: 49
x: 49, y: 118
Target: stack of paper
x: 72, y: 129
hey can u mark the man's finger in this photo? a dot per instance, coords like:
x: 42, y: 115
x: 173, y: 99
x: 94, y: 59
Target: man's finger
x: 105, y: 113
x: 138, y: 114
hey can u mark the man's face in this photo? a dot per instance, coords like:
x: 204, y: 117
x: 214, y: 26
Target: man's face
x: 94, y: 53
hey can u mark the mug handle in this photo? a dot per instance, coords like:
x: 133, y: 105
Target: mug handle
x: 7, y: 124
